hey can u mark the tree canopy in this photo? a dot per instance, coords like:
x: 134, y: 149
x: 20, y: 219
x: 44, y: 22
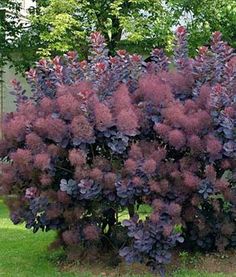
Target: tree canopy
x: 135, y: 25
x: 65, y: 27
x: 203, y: 17
x: 10, y: 28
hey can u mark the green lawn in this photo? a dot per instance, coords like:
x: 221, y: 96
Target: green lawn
x: 24, y: 254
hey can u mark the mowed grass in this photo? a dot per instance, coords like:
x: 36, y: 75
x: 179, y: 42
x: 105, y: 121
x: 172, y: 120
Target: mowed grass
x: 24, y: 254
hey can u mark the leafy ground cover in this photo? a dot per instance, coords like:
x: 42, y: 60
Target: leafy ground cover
x: 24, y: 254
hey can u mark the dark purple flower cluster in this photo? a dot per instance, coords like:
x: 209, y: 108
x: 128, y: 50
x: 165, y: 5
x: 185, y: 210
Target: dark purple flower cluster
x: 205, y: 188
x: 153, y: 239
x: 89, y: 189
x: 70, y: 187
x: 111, y: 134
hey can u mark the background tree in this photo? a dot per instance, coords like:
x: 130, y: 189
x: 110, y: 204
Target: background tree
x: 134, y: 25
x: 10, y: 28
x: 66, y: 27
x: 203, y: 17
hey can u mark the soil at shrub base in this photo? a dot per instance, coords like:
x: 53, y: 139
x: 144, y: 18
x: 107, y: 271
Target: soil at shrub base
x: 223, y: 262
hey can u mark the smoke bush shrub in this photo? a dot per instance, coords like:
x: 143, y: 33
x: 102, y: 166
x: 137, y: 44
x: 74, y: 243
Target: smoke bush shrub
x: 107, y: 135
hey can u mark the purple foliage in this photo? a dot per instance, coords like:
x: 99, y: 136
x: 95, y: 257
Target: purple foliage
x: 111, y: 134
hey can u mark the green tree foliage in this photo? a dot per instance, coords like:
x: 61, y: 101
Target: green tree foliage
x: 10, y: 28
x: 135, y: 25
x: 204, y: 17
x: 65, y: 27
